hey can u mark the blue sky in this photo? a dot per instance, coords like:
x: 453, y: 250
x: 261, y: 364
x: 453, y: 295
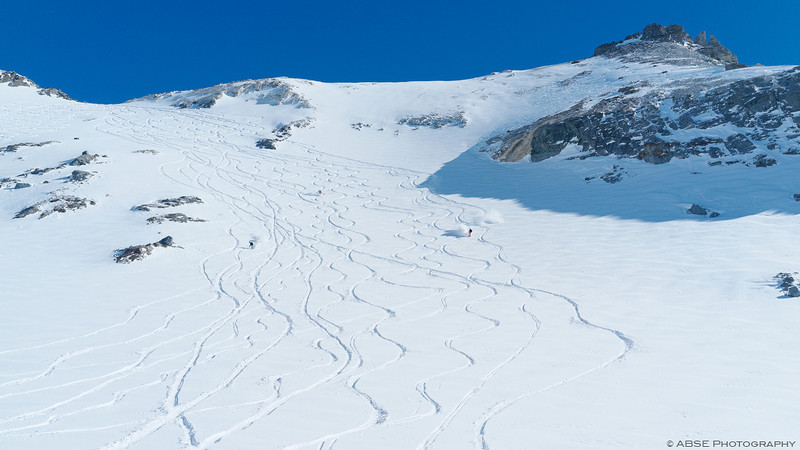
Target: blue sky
x: 109, y: 52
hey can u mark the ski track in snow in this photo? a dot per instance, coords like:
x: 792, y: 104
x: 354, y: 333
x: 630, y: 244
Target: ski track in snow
x: 311, y: 291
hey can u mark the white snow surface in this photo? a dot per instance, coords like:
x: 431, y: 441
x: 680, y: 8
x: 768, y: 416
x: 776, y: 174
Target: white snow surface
x: 578, y: 314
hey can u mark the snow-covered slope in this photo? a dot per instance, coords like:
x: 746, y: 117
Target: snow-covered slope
x: 587, y: 309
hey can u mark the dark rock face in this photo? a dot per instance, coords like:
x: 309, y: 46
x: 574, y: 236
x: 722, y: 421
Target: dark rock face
x: 697, y: 210
x: 682, y: 47
x: 174, y: 217
x: 642, y: 126
x: 436, y: 120
x: 8, y: 183
x: 58, y: 204
x: 139, y: 252
x: 796, y: 197
x: 763, y: 161
x: 266, y: 143
x: 168, y: 203
x: 21, y: 185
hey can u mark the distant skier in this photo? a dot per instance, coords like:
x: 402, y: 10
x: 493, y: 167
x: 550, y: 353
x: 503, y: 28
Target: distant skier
x: 252, y: 245
x: 469, y: 233
x: 319, y: 192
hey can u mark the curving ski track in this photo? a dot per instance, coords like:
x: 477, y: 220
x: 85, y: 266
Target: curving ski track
x: 332, y: 331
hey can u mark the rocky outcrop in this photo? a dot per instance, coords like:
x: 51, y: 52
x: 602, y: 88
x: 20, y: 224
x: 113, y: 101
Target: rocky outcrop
x: 700, y: 211
x: 79, y: 176
x: 761, y: 110
x: 84, y: 159
x: 282, y: 132
x: 174, y: 217
x: 682, y: 47
x: 436, y: 120
x: 168, y: 203
x: 14, y: 79
x: 270, y: 91
x: 14, y: 147
x: 788, y: 284
x: 139, y: 252
x: 268, y: 144
x: 8, y: 183
x: 57, y: 204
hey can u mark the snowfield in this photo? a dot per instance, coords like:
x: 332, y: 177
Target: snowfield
x: 579, y: 314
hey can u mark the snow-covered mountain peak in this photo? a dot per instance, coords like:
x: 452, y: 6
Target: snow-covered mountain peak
x: 13, y: 79
x: 269, y: 91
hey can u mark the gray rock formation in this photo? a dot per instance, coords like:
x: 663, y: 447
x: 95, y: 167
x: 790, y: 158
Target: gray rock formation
x: 763, y: 161
x: 788, y: 284
x: 671, y: 44
x: 57, y: 204
x: 8, y: 183
x: 15, y: 147
x: 14, y: 79
x: 78, y: 176
x: 22, y: 185
x: 168, y: 203
x: 138, y: 252
x: 174, y: 217
x: 697, y: 210
x: 646, y: 126
x: 266, y: 143
x: 270, y: 91
x: 84, y: 159
x: 436, y: 120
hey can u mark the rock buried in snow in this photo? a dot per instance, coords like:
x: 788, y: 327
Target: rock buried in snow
x: 15, y: 147
x: 169, y: 203
x: 139, y: 252
x: 33, y: 209
x: 11, y: 182
x: 266, y: 143
x: 788, y: 284
x: 435, y: 120
x: 174, y: 217
x: 60, y: 204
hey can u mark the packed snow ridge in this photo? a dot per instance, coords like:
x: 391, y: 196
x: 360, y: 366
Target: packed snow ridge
x: 578, y: 256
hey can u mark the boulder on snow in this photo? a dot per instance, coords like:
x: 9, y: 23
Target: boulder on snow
x: 168, y: 203
x: 788, y: 284
x: 84, y: 159
x: 697, y: 210
x: 139, y: 252
x: 173, y: 217
x: 59, y: 203
x: 78, y: 176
